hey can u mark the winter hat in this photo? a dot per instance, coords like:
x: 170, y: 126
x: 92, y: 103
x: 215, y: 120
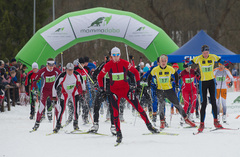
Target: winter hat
x: 148, y: 65
x: 86, y: 59
x: 145, y: 69
x: 34, y: 65
x: 75, y: 62
x: 1, y: 62
x: 70, y: 66
x: 175, y: 65
x: 81, y: 60
x: 13, y: 60
x: 115, y: 50
x: 141, y: 64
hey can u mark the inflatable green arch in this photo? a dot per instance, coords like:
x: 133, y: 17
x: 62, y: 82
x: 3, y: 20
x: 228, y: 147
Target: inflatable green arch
x: 92, y: 24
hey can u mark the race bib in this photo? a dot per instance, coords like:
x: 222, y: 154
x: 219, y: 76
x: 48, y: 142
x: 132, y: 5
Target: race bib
x: 163, y: 79
x: 189, y: 80
x: 50, y: 79
x: 69, y: 87
x: 207, y: 68
x: 220, y: 78
x: 118, y: 76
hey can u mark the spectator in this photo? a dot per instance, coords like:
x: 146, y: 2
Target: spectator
x: 6, y: 66
x: 13, y: 62
x: 235, y: 71
x: 148, y: 65
x: 140, y: 68
x: 132, y: 60
x: 75, y: 63
x: 2, y: 86
x: 1, y: 64
x: 90, y: 65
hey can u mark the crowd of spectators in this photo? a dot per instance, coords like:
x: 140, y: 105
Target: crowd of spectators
x: 13, y: 75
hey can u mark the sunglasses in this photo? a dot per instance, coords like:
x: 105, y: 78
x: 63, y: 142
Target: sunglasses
x: 115, y: 54
x: 50, y: 64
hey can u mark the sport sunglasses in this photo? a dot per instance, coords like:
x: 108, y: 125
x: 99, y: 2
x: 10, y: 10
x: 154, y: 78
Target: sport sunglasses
x: 115, y: 54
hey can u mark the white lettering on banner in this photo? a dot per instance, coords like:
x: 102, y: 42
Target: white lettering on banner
x: 59, y: 35
x: 99, y: 23
x: 190, y: 57
x: 140, y: 34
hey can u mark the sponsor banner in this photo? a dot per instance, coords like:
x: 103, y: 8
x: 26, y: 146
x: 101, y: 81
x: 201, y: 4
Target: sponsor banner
x: 140, y: 34
x: 99, y: 23
x: 59, y: 35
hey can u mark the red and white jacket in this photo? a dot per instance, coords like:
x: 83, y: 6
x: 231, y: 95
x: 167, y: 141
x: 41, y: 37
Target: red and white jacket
x: 71, y: 84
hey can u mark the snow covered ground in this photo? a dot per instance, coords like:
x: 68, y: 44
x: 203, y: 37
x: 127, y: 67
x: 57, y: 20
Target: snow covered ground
x: 16, y: 141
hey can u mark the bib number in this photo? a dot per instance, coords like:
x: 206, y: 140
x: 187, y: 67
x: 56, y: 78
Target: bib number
x: 69, y: 87
x: 117, y: 76
x: 221, y: 78
x: 163, y: 79
x: 189, y: 80
x: 50, y: 79
x: 206, y: 68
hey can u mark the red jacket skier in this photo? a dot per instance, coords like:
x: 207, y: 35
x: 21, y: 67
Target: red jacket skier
x: 189, y: 90
x: 117, y: 70
x: 48, y: 75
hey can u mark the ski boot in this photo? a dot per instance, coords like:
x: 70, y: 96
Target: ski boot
x: 57, y: 128
x: 121, y: 118
x: 217, y: 124
x: 119, y: 137
x: 181, y: 121
x: 113, y: 130
x: 201, y: 127
x: 162, y: 124
x: 85, y: 120
x: 197, y: 114
x: 190, y: 117
x: 36, y: 126
x: 49, y: 115
x: 150, y: 115
x: 31, y: 116
x: 218, y: 117
x: 224, y: 119
x: 101, y: 111
x: 94, y: 128
x: 43, y: 117
x: 187, y: 121
x: 152, y: 129
x: 75, y: 125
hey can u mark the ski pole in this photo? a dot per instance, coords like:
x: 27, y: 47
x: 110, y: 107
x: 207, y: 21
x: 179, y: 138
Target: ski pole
x: 86, y: 73
x: 139, y: 103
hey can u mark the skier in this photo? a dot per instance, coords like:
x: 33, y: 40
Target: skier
x: 207, y: 82
x: 72, y: 85
x: 117, y: 70
x: 100, y: 97
x: 48, y: 75
x: 33, y: 94
x: 176, y: 68
x: 84, y: 100
x: 220, y: 75
x: 189, y: 90
x: 163, y: 74
x: 153, y: 91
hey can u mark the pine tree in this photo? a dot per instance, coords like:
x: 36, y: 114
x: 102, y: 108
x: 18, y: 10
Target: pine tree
x: 16, y: 23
